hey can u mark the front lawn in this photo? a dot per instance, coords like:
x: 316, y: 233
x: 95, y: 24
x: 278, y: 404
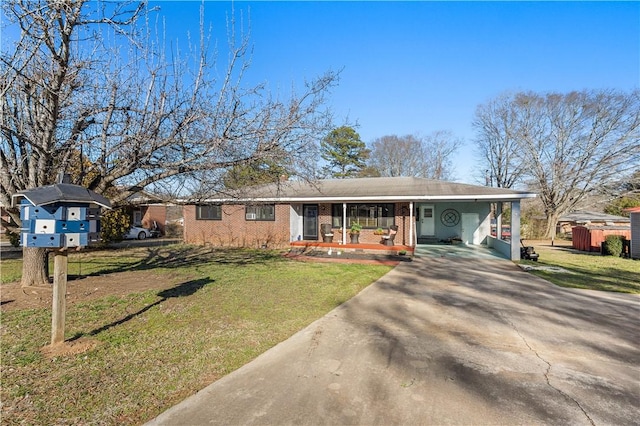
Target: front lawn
x: 211, y: 312
x: 587, y: 270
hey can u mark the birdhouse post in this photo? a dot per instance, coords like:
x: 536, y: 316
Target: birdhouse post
x: 59, y: 217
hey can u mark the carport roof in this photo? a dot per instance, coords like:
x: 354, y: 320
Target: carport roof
x: 372, y: 189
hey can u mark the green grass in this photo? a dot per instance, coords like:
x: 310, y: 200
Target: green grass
x: 155, y: 348
x: 588, y: 270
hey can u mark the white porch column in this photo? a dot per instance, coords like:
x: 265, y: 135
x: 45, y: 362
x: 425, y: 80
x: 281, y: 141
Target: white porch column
x: 411, y: 225
x: 344, y: 223
x: 515, y: 230
x: 499, y: 220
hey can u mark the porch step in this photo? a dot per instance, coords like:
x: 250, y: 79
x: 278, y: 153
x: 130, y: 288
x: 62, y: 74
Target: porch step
x: 428, y: 240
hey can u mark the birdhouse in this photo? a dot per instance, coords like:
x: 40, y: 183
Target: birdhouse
x: 60, y: 216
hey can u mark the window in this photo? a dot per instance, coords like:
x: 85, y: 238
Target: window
x: 209, y: 212
x: 367, y: 215
x: 336, y: 215
x: 264, y: 212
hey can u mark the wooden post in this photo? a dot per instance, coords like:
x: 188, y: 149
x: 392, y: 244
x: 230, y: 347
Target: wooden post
x: 59, y: 296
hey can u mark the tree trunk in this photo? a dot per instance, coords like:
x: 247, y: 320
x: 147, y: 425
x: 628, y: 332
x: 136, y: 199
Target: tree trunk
x: 552, y: 222
x: 34, y: 267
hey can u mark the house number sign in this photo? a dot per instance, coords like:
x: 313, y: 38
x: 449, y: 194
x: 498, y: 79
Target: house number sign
x: 450, y: 217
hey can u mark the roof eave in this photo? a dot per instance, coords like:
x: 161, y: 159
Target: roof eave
x: 487, y: 198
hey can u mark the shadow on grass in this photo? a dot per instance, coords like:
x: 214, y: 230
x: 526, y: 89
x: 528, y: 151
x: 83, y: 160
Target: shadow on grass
x: 605, y: 279
x: 185, y: 257
x: 184, y: 289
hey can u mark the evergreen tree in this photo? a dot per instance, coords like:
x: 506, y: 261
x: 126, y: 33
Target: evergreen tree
x: 344, y: 153
x: 256, y: 173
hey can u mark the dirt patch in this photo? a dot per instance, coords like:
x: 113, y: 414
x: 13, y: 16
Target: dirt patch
x: 73, y: 347
x: 528, y: 268
x: 83, y: 289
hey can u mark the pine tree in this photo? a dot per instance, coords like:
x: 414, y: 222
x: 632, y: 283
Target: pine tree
x: 344, y: 153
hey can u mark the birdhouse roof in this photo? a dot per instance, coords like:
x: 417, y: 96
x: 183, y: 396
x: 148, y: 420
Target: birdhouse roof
x: 62, y: 193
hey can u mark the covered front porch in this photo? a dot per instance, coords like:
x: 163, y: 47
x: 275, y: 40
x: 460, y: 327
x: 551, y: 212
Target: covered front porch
x: 442, y: 221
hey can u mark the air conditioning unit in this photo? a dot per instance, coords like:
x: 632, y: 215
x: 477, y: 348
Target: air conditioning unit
x: 250, y: 216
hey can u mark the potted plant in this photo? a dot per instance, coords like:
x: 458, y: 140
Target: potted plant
x: 354, y: 232
x: 378, y: 231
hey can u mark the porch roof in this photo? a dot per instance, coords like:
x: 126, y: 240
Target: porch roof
x: 372, y: 189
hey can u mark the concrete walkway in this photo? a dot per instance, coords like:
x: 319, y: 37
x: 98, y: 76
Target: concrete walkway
x: 446, y: 339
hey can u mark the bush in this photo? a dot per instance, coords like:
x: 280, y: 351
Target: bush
x: 612, y: 245
x: 113, y: 225
x: 14, y: 238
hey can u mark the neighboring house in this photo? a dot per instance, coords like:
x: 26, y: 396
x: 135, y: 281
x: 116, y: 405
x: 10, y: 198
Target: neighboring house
x: 588, y: 218
x: 634, y: 214
x: 151, y: 212
x: 424, y: 210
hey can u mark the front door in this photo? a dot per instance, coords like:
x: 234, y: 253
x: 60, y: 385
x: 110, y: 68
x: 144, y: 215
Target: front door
x: 470, y: 224
x: 310, y: 222
x: 137, y: 218
x: 426, y: 221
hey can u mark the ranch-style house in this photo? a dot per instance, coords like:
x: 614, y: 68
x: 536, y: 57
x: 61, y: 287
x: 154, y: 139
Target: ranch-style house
x: 420, y: 211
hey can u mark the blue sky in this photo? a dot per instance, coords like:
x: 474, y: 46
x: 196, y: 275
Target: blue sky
x: 418, y: 67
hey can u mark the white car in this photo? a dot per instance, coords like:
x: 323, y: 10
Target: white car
x: 137, y: 233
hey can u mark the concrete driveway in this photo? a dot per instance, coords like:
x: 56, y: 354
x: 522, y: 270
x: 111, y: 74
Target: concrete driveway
x: 446, y: 339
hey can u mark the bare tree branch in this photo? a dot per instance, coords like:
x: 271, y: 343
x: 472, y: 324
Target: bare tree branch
x: 410, y: 155
x: 567, y: 146
x: 89, y: 77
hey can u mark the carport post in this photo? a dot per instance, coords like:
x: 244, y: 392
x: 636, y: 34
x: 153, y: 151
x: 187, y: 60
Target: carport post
x: 411, y: 224
x: 515, y: 230
x: 499, y: 220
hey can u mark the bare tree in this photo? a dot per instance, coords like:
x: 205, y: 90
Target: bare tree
x: 410, y: 155
x: 571, y: 145
x: 495, y: 123
x: 95, y: 81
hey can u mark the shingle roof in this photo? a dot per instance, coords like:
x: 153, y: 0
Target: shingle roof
x: 589, y: 216
x: 374, y: 189
x: 62, y: 192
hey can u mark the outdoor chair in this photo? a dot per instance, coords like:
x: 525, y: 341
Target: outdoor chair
x: 327, y: 233
x: 388, y: 238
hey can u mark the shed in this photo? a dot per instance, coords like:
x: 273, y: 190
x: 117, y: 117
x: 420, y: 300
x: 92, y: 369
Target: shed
x: 590, y: 238
x: 634, y: 215
x: 588, y: 218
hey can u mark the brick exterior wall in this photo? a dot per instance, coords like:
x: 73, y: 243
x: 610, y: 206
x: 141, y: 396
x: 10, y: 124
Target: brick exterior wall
x: 234, y: 231
x: 154, y: 212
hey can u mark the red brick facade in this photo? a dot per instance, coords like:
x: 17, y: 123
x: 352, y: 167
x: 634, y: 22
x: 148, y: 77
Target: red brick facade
x: 157, y: 213
x: 234, y: 231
